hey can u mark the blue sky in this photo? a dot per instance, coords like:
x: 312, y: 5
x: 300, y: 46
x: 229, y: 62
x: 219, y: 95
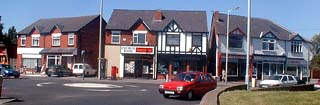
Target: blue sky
x: 300, y: 16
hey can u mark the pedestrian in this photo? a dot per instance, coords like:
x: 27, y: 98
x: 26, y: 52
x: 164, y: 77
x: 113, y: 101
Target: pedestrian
x: 223, y: 75
x: 43, y: 70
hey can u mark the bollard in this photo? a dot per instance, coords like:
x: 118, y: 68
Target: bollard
x: 253, y: 82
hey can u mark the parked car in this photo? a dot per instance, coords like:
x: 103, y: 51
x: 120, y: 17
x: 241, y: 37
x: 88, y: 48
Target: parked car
x: 317, y: 85
x: 188, y: 85
x: 59, y: 70
x: 300, y: 82
x: 279, y: 80
x: 8, y: 70
x: 80, y: 68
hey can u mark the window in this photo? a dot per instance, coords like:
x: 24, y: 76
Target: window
x: 35, y: 40
x: 173, y: 39
x: 139, y: 37
x: 197, y: 40
x: 23, y: 40
x: 53, y: 60
x: 296, y: 46
x: 71, y: 39
x: 290, y: 78
x: 235, y: 41
x: 268, y: 44
x: 56, y: 39
x: 115, y: 37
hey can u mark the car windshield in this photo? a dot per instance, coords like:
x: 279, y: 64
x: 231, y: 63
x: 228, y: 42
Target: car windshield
x: 276, y: 77
x: 185, y: 77
x: 8, y: 67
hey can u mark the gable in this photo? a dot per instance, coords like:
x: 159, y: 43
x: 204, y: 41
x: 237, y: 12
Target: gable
x: 297, y: 38
x: 269, y: 35
x: 173, y: 27
x: 139, y: 25
x: 236, y: 31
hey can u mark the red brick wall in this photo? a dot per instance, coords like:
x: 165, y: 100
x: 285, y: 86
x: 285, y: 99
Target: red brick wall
x: 128, y: 35
x: 88, y: 39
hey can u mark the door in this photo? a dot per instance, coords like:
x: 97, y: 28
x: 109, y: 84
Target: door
x: 292, y: 80
x: 285, y: 81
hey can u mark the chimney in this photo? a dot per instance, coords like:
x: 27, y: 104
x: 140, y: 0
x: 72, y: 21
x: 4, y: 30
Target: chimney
x: 157, y: 15
x: 216, y: 17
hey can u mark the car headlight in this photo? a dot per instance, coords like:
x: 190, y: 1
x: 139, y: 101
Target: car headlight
x: 179, y: 88
x: 161, y: 86
x: 6, y: 71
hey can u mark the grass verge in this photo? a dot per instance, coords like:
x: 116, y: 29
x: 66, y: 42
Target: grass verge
x: 270, y: 98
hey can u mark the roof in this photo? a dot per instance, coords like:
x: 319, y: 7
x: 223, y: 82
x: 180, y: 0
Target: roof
x: 66, y: 24
x: 72, y: 51
x: 188, y: 21
x: 258, y: 25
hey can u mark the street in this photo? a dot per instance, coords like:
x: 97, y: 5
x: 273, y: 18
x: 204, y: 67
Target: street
x: 75, y: 91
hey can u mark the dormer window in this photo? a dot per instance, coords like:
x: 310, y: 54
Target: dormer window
x: 236, y: 39
x: 296, y: 45
x: 268, y: 42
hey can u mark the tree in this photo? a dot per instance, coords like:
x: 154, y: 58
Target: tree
x: 315, y: 62
x: 315, y: 43
x: 12, y: 35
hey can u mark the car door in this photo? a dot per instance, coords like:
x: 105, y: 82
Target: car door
x: 198, y: 86
x: 292, y: 80
x: 285, y: 81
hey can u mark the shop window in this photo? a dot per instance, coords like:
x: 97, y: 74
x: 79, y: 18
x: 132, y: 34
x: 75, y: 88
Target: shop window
x: 162, y: 68
x: 30, y: 62
x: 129, y: 67
x: 232, y: 69
x: 173, y: 39
x: 197, y: 40
x: 53, y: 60
x: 266, y: 68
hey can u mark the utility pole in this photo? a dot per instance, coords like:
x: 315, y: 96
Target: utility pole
x: 248, y: 45
x: 100, y: 41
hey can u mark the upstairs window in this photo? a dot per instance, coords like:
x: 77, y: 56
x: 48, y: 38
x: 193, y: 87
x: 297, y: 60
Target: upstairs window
x: 23, y: 40
x: 197, y: 40
x: 71, y: 39
x: 139, y: 37
x: 236, y: 39
x: 268, y: 44
x: 56, y: 39
x: 296, y: 46
x: 115, y: 37
x: 173, y: 39
x: 35, y: 40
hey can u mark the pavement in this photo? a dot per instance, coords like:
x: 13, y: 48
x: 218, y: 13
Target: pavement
x: 212, y: 97
x: 6, y: 100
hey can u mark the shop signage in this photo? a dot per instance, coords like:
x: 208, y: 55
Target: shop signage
x: 269, y: 58
x: 296, y: 62
x: 136, y: 50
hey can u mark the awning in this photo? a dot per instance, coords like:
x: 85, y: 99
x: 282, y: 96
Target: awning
x: 296, y: 62
x: 72, y: 51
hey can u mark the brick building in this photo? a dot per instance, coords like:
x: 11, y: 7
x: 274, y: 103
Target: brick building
x: 149, y: 43
x: 59, y: 41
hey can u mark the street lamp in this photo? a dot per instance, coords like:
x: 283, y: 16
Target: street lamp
x: 227, y: 50
x: 248, y: 45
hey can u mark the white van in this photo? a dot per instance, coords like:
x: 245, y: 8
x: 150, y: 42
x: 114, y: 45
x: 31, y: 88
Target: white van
x: 78, y: 69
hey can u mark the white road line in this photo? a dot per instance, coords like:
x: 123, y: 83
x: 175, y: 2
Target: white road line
x: 45, y: 83
x: 134, y: 86
x: 108, y: 90
x: 92, y: 85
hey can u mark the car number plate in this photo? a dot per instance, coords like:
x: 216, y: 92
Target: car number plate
x: 168, y: 92
x: 264, y: 86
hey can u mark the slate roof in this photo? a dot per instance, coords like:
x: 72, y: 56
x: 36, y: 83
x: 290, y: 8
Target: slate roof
x: 258, y: 25
x: 188, y: 21
x: 66, y: 24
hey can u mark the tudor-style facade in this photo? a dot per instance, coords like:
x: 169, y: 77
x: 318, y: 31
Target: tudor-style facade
x: 58, y: 41
x: 151, y: 43
x: 274, y: 50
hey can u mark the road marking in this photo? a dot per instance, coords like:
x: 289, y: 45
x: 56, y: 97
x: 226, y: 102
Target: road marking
x: 108, y: 90
x: 92, y: 85
x: 45, y: 83
x: 134, y: 86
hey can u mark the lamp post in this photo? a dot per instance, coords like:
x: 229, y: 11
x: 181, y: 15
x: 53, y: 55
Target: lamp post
x: 100, y: 41
x: 227, y: 50
x: 248, y: 45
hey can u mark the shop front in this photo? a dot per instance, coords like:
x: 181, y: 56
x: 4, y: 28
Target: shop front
x: 297, y: 67
x: 59, y: 56
x: 265, y: 66
x: 29, y: 59
x: 236, y: 67
x: 172, y: 64
x: 137, y: 61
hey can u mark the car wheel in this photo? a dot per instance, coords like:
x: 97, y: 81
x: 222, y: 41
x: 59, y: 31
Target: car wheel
x: 60, y: 74
x: 49, y: 75
x: 189, y: 95
x: 166, y: 96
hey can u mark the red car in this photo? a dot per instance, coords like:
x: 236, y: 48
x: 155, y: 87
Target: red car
x: 188, y: 85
